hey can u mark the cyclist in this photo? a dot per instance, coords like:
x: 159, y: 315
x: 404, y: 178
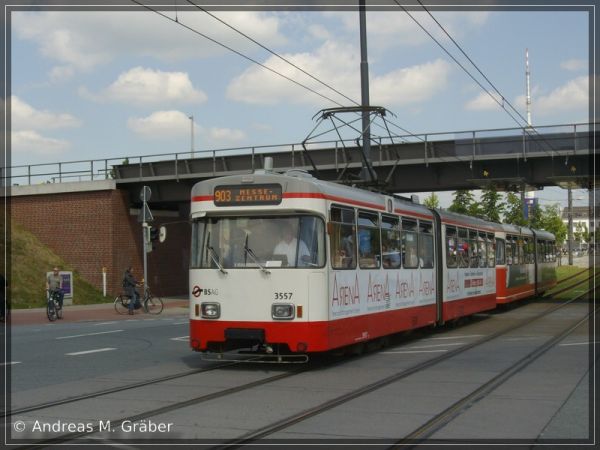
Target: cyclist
x: 54, y: 285
x: 129, y: 288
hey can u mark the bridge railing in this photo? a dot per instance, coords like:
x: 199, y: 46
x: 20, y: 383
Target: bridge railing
x: 465, y: 145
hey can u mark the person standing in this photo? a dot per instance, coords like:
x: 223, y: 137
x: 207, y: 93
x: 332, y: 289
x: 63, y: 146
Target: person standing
x: 54, y: 285
x: 129, y: 287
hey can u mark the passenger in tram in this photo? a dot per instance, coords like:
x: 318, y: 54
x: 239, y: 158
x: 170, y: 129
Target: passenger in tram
x: 346, y: 252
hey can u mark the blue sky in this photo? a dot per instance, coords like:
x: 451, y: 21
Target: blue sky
x: 92, y: 85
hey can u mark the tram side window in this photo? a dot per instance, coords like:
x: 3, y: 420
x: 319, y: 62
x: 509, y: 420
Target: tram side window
x: 473, y: 250
x: 491, y: 251
x: 521, y: 251
x: 426, y: 244
x: 549, y: 252
x: 369, y: 251
x: 462, y: 254
x: 509, y: 250
x: 410, y: 244
x: 553, y: 250
x: 531, y: 252
x: 482, y: 249
x: 526, y: 250
x: 391, y: 244
x: 451, y: 243
x: 500, y: 254
x: 541, y: 250
x: 343, y: 239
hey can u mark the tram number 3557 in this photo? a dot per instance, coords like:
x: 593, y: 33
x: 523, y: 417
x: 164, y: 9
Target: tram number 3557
x: 283, y: 295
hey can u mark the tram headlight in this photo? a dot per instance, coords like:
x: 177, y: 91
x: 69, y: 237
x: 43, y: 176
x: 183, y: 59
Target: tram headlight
x: 210, y: 310
x: 282, y: 311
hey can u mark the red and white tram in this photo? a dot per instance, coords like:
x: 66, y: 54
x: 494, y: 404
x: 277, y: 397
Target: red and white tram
x: 289, y: 264
x: 526, y: 262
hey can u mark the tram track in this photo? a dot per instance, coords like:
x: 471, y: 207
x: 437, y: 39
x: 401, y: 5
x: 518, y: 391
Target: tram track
x: 164, y: 409
x: 270, y: 429
x: 74, y: 399
x: 444, y: 418
x: 568, y: 288
x: 338, y: 401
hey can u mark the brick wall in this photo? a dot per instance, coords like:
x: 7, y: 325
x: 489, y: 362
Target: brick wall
x: 94, y: 229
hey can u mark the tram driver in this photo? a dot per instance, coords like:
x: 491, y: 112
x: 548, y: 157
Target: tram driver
x: 287, y: 247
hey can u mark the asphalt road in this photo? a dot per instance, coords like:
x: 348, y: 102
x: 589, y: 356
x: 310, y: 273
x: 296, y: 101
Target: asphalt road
x: 549, y: 399
x: 50, y: 360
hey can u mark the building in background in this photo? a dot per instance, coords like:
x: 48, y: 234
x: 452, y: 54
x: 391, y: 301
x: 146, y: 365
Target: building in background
x: 584, y: 227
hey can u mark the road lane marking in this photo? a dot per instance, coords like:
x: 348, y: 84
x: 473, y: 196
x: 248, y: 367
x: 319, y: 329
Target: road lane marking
x: 181, y: 323
x: 89, y: 334
x: 416, y: 351
x: 181, y: 338
x: 87, y: 352
x: 105, y: 323
x: 578, y: 343
x: 11, y: 363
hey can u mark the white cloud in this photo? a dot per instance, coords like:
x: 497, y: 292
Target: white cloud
x: 143, y: 86
x: 411, y: 84
x: 225, y: 135
x: 485, y: 102
x: 574, y: 95
x: 32, y: 142
x: 83, y: 40
x: 396, y: 28
x: 336, y: 65
x: 24, y: 116
x: 574, y: 65
x: 161, y: 125
x: 171, y: 125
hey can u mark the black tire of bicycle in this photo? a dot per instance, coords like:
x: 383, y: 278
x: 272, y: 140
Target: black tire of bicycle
x: 120, y: 306
x: 51, y: 311
x: 156, y: 301
x: 58, y: 309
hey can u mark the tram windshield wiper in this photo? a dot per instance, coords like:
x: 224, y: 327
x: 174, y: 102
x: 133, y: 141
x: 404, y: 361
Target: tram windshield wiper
x: 213, y: 255
x: 248, y: 251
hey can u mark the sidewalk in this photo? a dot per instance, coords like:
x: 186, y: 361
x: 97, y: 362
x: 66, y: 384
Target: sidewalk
x: 94, y: 313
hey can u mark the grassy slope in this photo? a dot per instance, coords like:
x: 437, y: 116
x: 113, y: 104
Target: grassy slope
x: 30, y: 260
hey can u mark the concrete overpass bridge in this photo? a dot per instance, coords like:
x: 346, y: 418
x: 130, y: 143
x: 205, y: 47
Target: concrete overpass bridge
x: 511, y: 159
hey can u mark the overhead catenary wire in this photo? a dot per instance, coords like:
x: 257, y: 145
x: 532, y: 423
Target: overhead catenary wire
x: 502, y: 97
x: 179, y: 22
x: 277, y: 55
x: 176, y: 20
x: 290, y: 62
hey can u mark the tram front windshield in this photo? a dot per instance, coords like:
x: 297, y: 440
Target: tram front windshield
x: 258, y: 242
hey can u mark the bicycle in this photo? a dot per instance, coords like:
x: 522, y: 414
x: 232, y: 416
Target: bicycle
x: 53, y: 308
x: 150, y: 303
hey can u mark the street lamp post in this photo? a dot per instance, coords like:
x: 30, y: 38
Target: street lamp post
x: 192, y: 134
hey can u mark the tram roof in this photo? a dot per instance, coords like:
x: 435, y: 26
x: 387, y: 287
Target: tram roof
x: 467, y: 221
x: 515, y: 229
x: 298, y: 181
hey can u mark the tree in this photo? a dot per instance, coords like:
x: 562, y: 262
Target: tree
x: 550, y: 220
x: 514, y: 210
x: 491, y: 206
x: 462, y: 201
x: 432, y: 202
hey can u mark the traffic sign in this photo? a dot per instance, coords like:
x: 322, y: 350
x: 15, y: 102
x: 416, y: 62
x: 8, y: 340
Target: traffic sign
x: 145, y: 214
x: 145, y: 193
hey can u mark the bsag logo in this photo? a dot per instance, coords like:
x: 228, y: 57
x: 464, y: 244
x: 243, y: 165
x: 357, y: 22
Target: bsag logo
x: 197, y: 291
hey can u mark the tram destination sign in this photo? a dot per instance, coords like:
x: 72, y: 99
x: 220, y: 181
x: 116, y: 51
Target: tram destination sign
x: 256, y: 194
